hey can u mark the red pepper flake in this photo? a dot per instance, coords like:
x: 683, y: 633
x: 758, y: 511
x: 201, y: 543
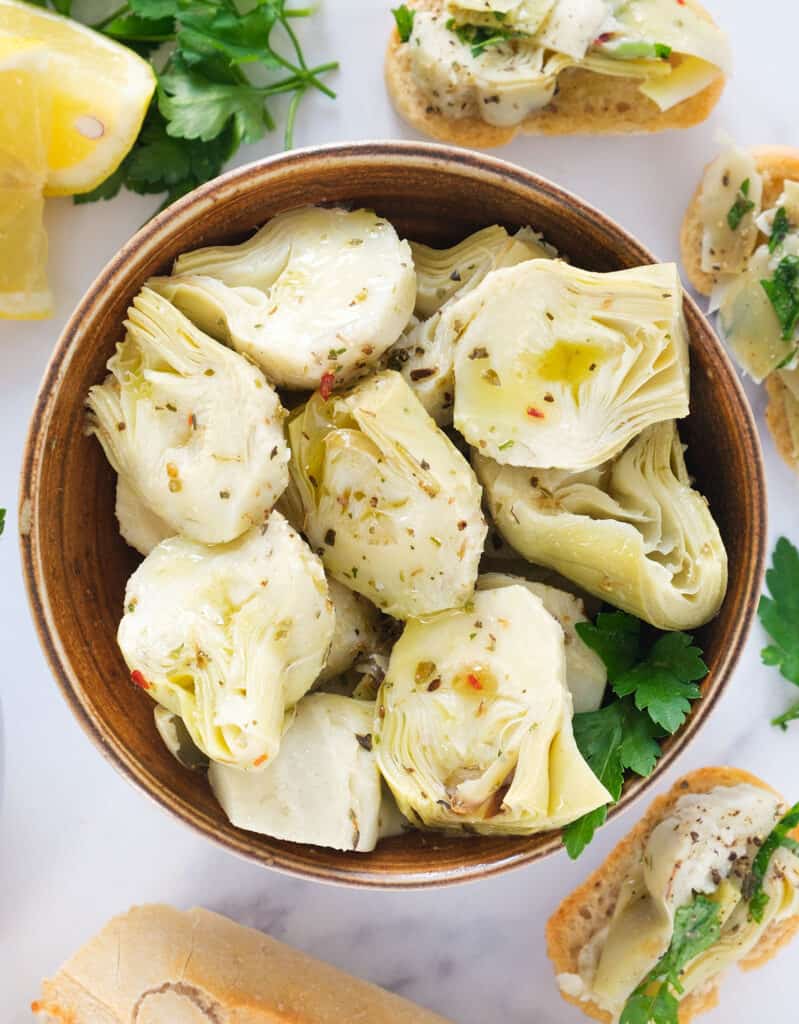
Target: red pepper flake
x: 474, y: 682
x: 605, y: 37
x: 138, y: 679
x: 681, y: 3
x: 535, y: 413
x: 326, y: 385
x: 259, y: 760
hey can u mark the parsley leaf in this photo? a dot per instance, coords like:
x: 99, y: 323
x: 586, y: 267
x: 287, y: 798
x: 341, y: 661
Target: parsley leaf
x: 2, y: 519
x: 753, y: 886
x: 783, y: 293
x: 664, y: 682
x: 614, y: 739
x: 779, y: 615
x: 653, y: 690
x: 657, y: 999
x: 404, y: 19
x: 779, y: 229
x: 196, y: 107
x: 740, y: 207
x: 662, y: 51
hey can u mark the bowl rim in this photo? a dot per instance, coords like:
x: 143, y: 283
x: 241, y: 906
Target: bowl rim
x: 193, y: 205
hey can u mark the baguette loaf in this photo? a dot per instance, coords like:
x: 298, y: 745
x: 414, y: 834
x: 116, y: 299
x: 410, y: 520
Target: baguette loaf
x: 582, y: 914
x: 586, y: 103
x: 158, y: 965
x: 775, y: 164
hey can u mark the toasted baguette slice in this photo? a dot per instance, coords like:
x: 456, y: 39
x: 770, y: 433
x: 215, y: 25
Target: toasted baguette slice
x: 775, y: 163
x: 582, y: 914
x: 586, y: 103
x: 158, y: 965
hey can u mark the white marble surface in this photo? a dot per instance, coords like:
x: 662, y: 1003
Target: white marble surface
x: 77, y: 843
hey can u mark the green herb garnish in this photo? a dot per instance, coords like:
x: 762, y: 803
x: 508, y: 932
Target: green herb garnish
x: 2, y: 519
x: 779, y: 229
x: 404, y: 19
x: 783, y: 293
x: 653, y: 686
x: 662, y: 51
x: 779, y: 615
x: 205, y: 106
x: 753, y: 887
x: 479, y: 38
x: 657, y: 999
x: 742, y: 205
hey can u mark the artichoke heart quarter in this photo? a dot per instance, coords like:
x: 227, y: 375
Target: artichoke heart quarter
x: 561, y: 367
x: 229, y: 638
x: 195, y: 430
x: 632, y: 531
x: 314, y: 292
x: 390, y: 503
x: 473, y: 726
x: 324, y: 787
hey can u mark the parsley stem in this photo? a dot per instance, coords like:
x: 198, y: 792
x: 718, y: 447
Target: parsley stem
x: 294, y: 42
x: 288, y: 138
x: 298, y: 12
x: 98, y: 26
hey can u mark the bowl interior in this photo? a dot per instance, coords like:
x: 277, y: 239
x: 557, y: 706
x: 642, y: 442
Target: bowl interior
x: 76, y: 564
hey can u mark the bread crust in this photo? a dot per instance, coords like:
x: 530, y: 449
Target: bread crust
x: 775, y: 164
x: 156, y: 963
x: 587, y: 103
x: 589, y: 907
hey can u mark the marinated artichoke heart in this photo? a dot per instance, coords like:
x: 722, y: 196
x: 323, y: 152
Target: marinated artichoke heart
x: 324, y: 786
x: 357, y: 630
x: 390, y: 503
x: 194, y: 430
x: 561, y: 367
x: 473, y: 725
x: 706, y: 845
x: 141, y: 528
x: 586, y: 675
x: 726, y: 249
x: 172, y: 730
x: 423, y: 354
x: 229, y: 638
x: 632, y: 531
x: 789, y: 402
x: 747, y: 319
x: 315, y: 292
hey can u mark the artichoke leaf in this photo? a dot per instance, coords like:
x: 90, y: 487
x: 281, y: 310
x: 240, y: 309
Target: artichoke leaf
x: 586, y: 675
x: 230, y: 637
x: 357, y: 632
x: 474, y: 734
x: 561, y: 367
x: 193, y: 429
x: 389, y: 502
x: 140, y: 527
x: 633, y: 531
x: 324, y: 786
x: 314, y: 292
x: 520, y: 15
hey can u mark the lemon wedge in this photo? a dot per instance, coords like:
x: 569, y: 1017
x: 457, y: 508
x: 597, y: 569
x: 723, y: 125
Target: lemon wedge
x: 99, y: 92
x: 24, y: 135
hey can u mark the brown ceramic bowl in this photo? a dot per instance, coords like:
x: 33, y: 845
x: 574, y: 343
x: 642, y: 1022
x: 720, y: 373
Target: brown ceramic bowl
x: 76, y: 564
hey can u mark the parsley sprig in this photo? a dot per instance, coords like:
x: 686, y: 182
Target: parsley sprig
x: 783, y: 292
x: 779, y: 614
x: 653, y: 684
x: 205, y: 105
x: 742, y: 205
x: 657, y: 999
x: 404, y: 19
